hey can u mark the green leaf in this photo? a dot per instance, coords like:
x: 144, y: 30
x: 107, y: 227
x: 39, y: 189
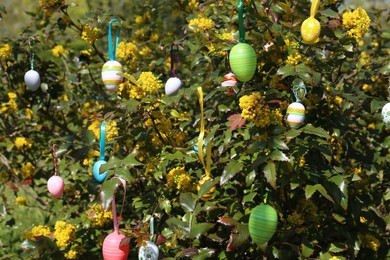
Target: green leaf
x: 270, y: 174
x: 204, y: 253
x: 277, y: 142
x: 206, y: 186
x: 286, y: 71
x: 231, y: 170
x: 200, y: 229
x: 307, y: 248
x: 311, y: 189
x: 336, y: 248
x: 330, y: 13
x: 303, y: 71
x: 166, y: 206
x: 318, y: 131
x: 343, y: 188
x: 238, y: 236
x: 107, y: 192
x: 278, y: 155
x: 187, y: 201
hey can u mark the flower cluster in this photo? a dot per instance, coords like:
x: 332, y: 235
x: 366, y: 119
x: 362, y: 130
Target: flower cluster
x: 5, y: 51
x: 148, y: 82
x: 49, y: 6
x: 200, y: 24
x: 293, y: 58
x: 254, y: 109
x: 127, y: 51
x: 111, y: 129
x: 357, y: 22
x: 90, y: 107
x: 163, y: 131
x: 370, y: 241
x: 38, y: 232
x: 21, y: 200
x: 59, y: 51
x: 90, y: 35
x: 11, y: 106
x: 178, y: 178
x: 27, y: 170
x: 22, y: 143
x: 71, y: 254
x: 98, y: 216
x: 64, y: 233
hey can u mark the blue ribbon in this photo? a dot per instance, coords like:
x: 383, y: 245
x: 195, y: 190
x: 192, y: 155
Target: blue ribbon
x: 102, y: 140
x: 112, y: 49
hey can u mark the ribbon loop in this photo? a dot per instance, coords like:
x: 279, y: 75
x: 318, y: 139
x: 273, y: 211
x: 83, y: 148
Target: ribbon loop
x: 206, y: 166
x: 173, y: 60
x: 151, y: 228
x: 299, y: 91
x: 314, y: 7
x: 113, y: 206
x: 102, y: 140
x: 111, y: 48
x: 55, y: 159
x: 31, y: 43
x: 241, y: 27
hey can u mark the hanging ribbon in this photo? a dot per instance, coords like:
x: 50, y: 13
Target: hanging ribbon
x: 206, y: 166
x: 299, y: 91
x: 173, y: 60
x: 102, y: 140
x: 31, y: 43
x: 112, y: 49
x: 113, y: 206
x: 241, y: 27
x: 151, y: 228
x: 314, y: 7
x: 55, y: 159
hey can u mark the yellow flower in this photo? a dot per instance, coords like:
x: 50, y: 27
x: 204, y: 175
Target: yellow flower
x: 11, y: 95
x: 38, y: 231
x: 49, y: 6
x: 145, y: 51
x: 29, y: 113
x: 364, y: 58
x: 294, y: 58
x: 225, y: 36
x: 334, y: 258
x: 193, y: 4
x: 178, y: 178
x: 59, y: 51
x: 254, y: 109
x: 139, y: 19
x: 154, y: 37
x: 98, y: 216
x: 22, y: 143
x: 367, y: 88
x: 200, y: 24
x: 21, y: 200
x: 5, y: 51
x: 363, y: 220
x: 89, y: 34
x: 148, y: 82
x: 127, y: 51
x: 357, y: 22
x: 111, y: 129
x: 370, y: 241
x: 71, y: 254
x: 27, y: 170
x: 64, y: 233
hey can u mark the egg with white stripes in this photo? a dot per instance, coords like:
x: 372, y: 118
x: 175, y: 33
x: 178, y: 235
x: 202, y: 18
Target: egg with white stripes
x: 112, y: 74
x: 295, y: 115
x: 263, y: 221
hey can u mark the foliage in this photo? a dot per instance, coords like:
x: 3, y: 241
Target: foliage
x: 327, y: 180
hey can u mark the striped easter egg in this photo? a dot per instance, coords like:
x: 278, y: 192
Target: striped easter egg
x: 243, y: 61
x: 310, y: 30
x: 386, y: 114
x: 262, y: 223
x: 208, y: 194
x: 112, y: 74
x: 295, y: 114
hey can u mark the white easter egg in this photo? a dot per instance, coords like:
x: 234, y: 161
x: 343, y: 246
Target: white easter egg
x: 295, y: 114
x: 32, y: 80
x: 112, y: 74
x: 172, y: 86
x: 148, y: 252
x: 386, y: 114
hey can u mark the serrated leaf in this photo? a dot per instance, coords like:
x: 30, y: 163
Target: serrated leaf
x: 189, y: 252
x: 227, y: 221
x: 307, y: 248
x: 230, y: 171
x: 237, y: 121
x: 238, y: 236
x: 204, y: 253
x: 311, y: 189
x: 303, y: 71
x: 336, y: 248
x: 278, y: 155
x: 318, y: 131
x: 107, y: 192
x: 200, y: 229
x: 270, y: 174
x: 330, y: 13
x: 187, y: 201
x: 277, y: 142
x: 286, y: 71
x: 166, y: 206
x: 130, y: 161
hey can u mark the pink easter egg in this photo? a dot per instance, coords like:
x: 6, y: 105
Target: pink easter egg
x: 55, y: 185
x: 112, y: 74
x: 115, y: 247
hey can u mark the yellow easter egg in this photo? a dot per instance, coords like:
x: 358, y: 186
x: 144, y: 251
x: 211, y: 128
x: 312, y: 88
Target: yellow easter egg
x: 310, y: 30
x: 208, y: 194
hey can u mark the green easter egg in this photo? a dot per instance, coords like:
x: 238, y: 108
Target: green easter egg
x: 243, y: 61
x: 262, y: 223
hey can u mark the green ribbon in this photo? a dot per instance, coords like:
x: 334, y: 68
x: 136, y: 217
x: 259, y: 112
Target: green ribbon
x: 299, y: 91
x: 241, y: 27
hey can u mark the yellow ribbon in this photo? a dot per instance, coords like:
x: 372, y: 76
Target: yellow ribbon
x: 314, y: 7
x: 206, y: 166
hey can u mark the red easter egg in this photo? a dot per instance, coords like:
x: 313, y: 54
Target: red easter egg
x: 115, y: 247
x: 55, y: 185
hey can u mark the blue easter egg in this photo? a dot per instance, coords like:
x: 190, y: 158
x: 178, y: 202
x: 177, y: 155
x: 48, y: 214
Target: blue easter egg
x: 96, y: 167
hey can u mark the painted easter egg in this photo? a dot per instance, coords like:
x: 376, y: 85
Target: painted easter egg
x: 115, y: 247
x: 148, y: 252
x: 172, y: 86
x: 386, y: 114
x: 100, y: 177
x: 208, y: 194
x: 310, y: 30
x: 243, y: 61
x: 262, y: 223
x: 295, y: 114
x: 32, y: 80
x: 112, y: 74
x: 55, y: 185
